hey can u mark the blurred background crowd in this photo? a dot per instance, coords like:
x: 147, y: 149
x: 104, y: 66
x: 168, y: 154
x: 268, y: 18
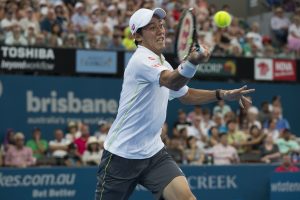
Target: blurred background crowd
x: 203, y: 136
x: 94, y: 24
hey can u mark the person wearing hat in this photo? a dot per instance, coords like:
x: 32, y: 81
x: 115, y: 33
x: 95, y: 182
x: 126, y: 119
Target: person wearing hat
x: 80, y: 18
x: 93, y: 152
x: 133, y: 150
x: 19, y: 155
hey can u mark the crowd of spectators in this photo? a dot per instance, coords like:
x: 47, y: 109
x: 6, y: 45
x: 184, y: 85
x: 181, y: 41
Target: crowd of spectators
x: 103, y: 24
x: 204, y: 136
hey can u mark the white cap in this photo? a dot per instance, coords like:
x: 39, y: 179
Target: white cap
x: 143, y: 16
x: 78, y: 5
x: 92, y: 140
x: 58, y: 3
x: 253, y: 110
x: 94, y: 7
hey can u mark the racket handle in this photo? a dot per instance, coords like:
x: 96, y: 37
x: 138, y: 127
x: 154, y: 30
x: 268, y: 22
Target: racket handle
x: 199, y: 48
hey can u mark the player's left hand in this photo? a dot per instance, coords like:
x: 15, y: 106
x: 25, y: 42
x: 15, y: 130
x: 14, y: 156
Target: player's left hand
x: 237, y: 95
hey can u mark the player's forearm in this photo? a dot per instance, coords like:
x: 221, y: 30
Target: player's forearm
x: 196, y: 97
x: 173, y: 80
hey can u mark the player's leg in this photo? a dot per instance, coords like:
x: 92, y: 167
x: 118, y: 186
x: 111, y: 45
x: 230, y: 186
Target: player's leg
x: 117, y: 177
x: 178, y: 189
x: 165, y: 179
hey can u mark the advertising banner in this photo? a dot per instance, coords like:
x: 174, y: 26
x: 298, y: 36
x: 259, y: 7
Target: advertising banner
x: 36, y: 59
x: 206, y: 182
x: 52, y: 102
x: 285, y: 70
x: 263, y: 69
x: 285, y: 186
x: 267, y: 69
x: 101, y: 62
x: 218, y: 68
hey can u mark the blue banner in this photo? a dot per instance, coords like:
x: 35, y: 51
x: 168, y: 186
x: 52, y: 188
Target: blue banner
x: 211, y: 182
x: 88, y: 61
x: 285, y: 186
x: 52, y: 102
x: 127, y: 58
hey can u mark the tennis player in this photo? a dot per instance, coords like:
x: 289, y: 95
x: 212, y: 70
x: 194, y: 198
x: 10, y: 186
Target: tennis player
x: 134, y: 152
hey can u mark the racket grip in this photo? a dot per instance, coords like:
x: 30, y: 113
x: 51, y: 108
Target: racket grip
x: 199, y: 48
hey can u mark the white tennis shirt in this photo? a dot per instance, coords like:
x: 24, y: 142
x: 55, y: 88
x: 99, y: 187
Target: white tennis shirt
x: 135, y: 133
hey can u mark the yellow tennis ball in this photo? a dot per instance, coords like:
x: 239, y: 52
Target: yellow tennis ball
x: 222, y: 19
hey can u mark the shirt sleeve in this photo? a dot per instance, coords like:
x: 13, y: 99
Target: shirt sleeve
x: 149, y: 70
x: 176, y: 94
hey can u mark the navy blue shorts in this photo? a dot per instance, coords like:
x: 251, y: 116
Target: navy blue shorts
x: 118, y: 176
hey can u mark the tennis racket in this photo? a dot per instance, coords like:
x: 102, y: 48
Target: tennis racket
x: 186, y: 36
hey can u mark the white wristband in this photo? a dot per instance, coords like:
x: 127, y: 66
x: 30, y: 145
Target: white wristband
x: 187, y: 69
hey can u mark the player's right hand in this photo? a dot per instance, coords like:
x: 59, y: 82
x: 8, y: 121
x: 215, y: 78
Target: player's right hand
x: 197, y: 57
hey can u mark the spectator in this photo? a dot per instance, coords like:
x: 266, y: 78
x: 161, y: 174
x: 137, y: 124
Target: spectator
x: 255, y: 140
x: 38, y: 145
x: 294, y: 35
x: 80, y: 19
x: 235, y: 137
x: 206, y: 122
x: 17, y: 38
x: 112, y: 14
x: 176, y: 150
x: 223, y: 153
x: 219, y: 123
x: 71, y: 41
x: 62, y: 17
x: 180, y: 123
x: 47, y: 23
x: 214, y: 138
x: 19, y: 155
x: 30, y: 21
x: 57, y: 31
x: 193, y: 153
x: 196, y: 112
x: 196, y: 131
x: 105, y: 37
x: 8, y: 22
x: 101, y: 133
x: 116, y: 42
x: 30, y: 35
x: 286, y: 143
x: 269, y: 152
x: 91, y: 43
x: 272, y: 130
x: 282, y: 123
x: 279, y: 25
x: 73, y: 132
x: 9, y: 139
x: 252, y: 115
x: 40, y: 40
x: 93, y: 153
x: 222, y: 108
x: 276, y: 102
x: 59, y: 146
x: 264, y: 114
x: 81, y: 142
x: 255, y: 35
x: 287, y: 165
x: 73, y: 158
